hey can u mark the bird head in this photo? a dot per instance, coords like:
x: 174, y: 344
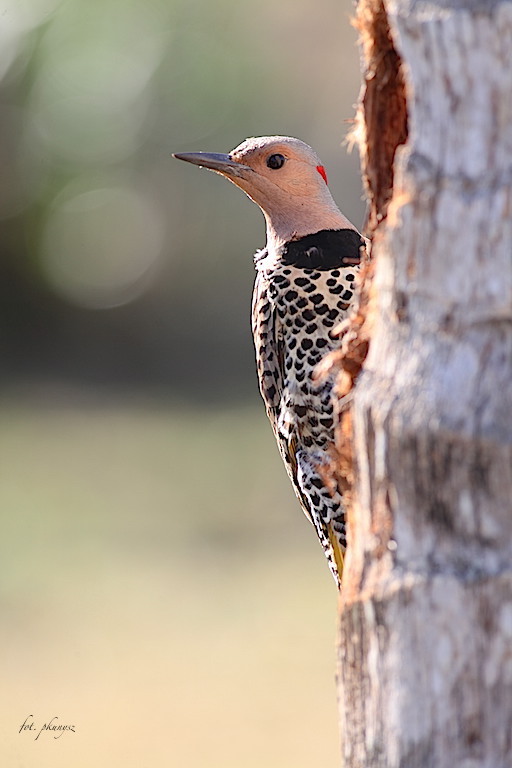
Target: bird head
x: 285, y: 177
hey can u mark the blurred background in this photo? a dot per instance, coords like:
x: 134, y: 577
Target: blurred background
x: 160, y: 589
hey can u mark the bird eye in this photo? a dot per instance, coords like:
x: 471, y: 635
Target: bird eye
x: 275, y: 162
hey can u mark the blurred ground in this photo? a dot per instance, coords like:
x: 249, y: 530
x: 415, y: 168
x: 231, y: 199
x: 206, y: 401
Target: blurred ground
x: 160, y: 591
x: 160, y: 588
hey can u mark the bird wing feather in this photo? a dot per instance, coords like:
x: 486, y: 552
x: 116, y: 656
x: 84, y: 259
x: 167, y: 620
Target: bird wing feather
x: 269, y: 349
x: 270, y: 356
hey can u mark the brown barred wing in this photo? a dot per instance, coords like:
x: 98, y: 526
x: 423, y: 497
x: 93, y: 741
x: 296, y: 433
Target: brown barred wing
x: 270, y: 354
x: 269, y: 349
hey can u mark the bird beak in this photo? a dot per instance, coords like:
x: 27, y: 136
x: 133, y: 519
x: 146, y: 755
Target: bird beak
x: 214, y: 162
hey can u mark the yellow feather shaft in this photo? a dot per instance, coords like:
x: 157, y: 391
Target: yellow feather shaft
x: 337, y: 550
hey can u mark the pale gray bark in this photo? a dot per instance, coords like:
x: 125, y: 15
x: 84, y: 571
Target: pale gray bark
x: 425, y: 646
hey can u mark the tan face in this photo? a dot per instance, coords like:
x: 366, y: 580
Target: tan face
x: 280, y: 168
x: 285, y: 178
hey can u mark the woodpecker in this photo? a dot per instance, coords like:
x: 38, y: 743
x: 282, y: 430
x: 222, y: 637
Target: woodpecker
x: 304, y: 287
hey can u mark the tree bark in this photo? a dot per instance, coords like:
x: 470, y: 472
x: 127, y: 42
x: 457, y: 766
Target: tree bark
x: 425, y: 627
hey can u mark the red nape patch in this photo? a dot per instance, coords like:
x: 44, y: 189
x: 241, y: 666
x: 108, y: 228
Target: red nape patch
x: 321, y: 171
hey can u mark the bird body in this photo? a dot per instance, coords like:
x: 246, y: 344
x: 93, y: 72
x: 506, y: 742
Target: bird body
x: 304, y: 287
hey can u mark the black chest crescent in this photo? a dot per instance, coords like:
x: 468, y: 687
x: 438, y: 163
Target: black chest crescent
x: 324, y: 250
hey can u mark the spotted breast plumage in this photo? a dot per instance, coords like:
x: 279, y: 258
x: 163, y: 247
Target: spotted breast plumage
x: 305, y: 283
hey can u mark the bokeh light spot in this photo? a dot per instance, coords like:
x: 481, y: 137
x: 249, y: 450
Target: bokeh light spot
x: 91, y: 109
x: 199, y: 92
x: 17, y: 19
x: 100, y: 245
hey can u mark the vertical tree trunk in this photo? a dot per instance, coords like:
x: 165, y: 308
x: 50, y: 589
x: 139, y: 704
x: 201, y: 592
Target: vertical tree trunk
x: 425, y: 639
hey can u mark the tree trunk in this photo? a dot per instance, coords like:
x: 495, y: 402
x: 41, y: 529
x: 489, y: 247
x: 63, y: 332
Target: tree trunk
x: 425, y: 637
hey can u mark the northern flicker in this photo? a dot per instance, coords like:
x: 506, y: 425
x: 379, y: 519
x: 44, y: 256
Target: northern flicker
x: 304, y: 287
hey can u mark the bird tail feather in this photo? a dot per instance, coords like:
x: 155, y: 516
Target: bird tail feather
x: 337, y: 551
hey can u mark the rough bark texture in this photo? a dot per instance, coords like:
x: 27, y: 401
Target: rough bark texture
x: 381, y: 127
x: 425, y: 646
x: 382, y: 113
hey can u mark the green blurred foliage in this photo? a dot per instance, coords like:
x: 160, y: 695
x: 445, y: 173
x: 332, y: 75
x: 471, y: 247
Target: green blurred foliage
x: 117, y: 265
